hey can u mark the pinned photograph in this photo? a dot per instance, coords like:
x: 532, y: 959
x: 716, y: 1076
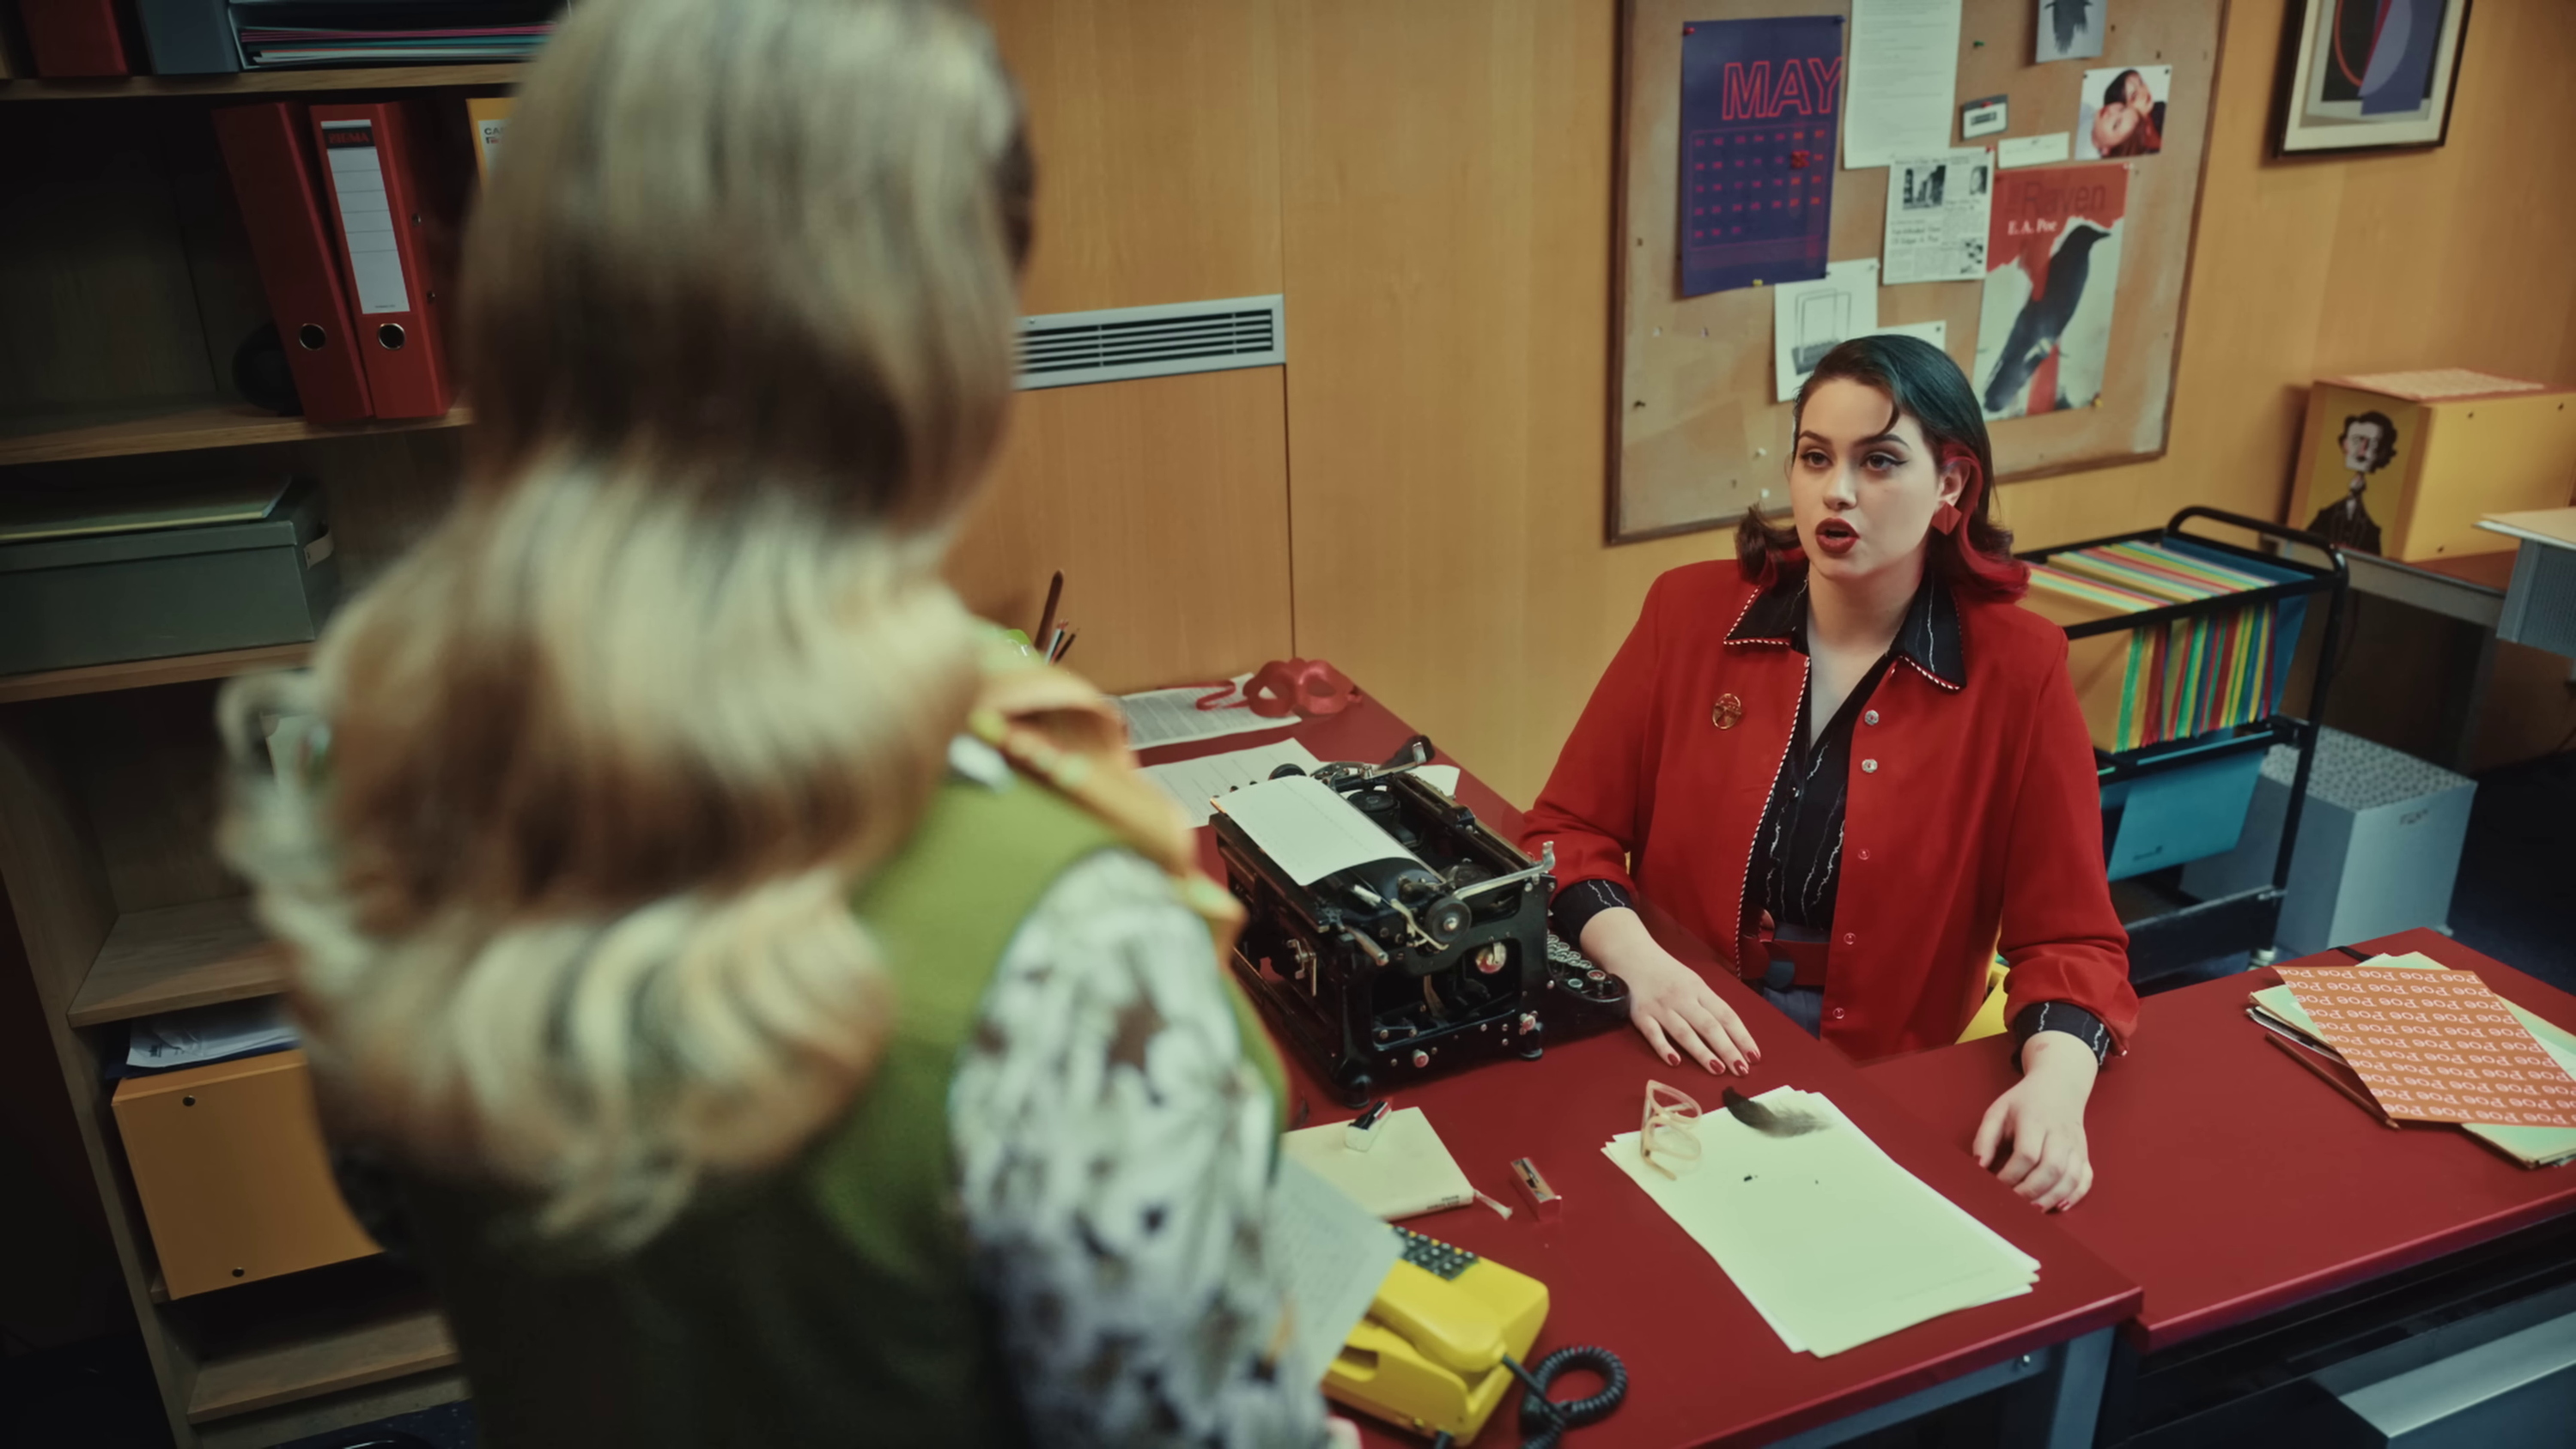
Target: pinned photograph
x: 2070, y: 29
x: 2044, y: 331
x: 2123, y: 112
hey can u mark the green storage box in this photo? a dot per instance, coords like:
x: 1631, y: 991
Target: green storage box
x: 155, y: 577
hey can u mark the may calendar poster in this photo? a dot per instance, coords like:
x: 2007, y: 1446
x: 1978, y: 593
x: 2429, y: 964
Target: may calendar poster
x: 1760, y: 103
x: 2052, y: 269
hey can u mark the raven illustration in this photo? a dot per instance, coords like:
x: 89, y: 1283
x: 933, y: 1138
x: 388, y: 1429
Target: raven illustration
x: 2068, y: 17
x: 2034, y: 333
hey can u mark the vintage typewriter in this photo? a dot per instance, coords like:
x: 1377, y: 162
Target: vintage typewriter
x: 1434, y: 954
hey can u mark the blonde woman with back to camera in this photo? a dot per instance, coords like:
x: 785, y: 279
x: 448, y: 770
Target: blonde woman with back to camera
x: 784, y: 1030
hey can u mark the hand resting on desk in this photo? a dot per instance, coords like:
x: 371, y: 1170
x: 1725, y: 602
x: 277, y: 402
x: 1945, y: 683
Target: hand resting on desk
x: 2041, y: 1119
x: 1668, y: 1003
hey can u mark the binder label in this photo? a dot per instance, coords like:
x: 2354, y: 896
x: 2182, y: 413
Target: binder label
x: 366, y: 217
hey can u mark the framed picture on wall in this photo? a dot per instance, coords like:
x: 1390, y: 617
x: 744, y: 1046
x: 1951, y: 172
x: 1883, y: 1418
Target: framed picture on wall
x: 2367, y: 75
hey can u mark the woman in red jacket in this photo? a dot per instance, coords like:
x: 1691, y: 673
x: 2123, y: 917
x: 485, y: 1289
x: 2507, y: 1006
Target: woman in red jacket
x: 1849, y: 763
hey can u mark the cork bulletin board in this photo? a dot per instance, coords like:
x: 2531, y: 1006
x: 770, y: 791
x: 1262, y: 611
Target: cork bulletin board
x: 1698, y: 436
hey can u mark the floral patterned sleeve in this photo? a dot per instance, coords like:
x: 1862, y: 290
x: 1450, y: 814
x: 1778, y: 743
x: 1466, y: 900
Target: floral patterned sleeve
x: 1114, y: 1152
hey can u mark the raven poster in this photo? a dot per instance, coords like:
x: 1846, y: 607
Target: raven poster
x: 1760, y: 103
x: 2052, y: 268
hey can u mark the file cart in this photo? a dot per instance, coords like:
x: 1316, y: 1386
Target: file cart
x: 2183, y: 799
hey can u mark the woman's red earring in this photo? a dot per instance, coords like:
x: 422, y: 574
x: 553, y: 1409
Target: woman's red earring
x: 1946, y: 517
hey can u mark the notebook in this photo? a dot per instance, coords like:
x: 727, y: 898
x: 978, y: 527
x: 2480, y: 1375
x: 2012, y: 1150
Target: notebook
x: 1408, y: 1173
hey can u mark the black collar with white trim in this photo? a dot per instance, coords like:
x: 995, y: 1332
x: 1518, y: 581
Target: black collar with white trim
x: 1928, y: 638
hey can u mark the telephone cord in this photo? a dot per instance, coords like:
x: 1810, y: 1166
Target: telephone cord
x: 1545, y: 1420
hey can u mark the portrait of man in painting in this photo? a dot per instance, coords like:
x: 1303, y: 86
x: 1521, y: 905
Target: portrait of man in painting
x: 2369, y: 441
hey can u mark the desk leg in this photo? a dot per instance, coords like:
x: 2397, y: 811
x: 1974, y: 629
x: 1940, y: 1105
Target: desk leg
x: 2058, y: 1410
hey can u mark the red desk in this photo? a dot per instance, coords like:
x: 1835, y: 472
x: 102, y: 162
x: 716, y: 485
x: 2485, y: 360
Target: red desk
x: 2231, y: 1183
x: 1703, y: 1367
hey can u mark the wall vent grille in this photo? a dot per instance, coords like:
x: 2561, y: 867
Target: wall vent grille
x: 1065, y: 348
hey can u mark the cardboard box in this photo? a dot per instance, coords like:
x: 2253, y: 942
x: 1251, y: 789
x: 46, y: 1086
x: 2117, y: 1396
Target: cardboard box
x: 2403, y: 464
x: 149, y: 577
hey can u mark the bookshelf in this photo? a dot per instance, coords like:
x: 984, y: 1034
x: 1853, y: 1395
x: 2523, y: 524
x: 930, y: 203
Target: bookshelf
x: 173, y: 957
x: 128, y: 283
x: 256, y: 82
x: 144, y: 673
x: 186, y: 426
x: 350, y: 1352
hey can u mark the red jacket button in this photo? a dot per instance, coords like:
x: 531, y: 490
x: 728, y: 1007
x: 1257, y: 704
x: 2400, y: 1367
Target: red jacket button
x: 1851, y: 938
x: 1864, y: 855
x: 1836, y: 1013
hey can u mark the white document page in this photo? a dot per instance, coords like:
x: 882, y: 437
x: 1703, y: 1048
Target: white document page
x: 205, y: 1033
x: 2014, y: 152
x: 1829, y: 1239
x: 1443, y: 778
x: 1309, y: 830
x: 1904, y: 71
x: 1331, y: 1255
x: 1192, y: 783
x: 1170, y: 716
x: 1810, y: 319
x: 1936, y: 333
x: 1937, y: 210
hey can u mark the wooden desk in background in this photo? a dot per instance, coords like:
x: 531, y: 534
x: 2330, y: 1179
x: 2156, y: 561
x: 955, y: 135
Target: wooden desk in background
x: 2275, y: 1226
x: 1703, y: 1366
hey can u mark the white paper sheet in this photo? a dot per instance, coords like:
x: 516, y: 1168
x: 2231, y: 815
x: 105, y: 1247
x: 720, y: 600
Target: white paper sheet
x: 1331, y: 1255
x: 1937, y: 210
x: 1809, y: 319
x: 1904, y: 71
x: 1829, y: 1239
x: 1936, y: 333
x: 206, y: 1033
x: 2014, y: 152
x: 1308, y: 829
x: 1443, y: 778
x: 1171, y: 716
x: 1192, y: 783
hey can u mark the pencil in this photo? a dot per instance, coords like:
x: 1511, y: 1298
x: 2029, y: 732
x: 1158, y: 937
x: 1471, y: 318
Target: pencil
x: 1046, y: 617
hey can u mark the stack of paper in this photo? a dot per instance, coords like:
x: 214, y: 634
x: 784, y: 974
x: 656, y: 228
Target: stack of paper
x: 1830, y: 1240
x: 1173, y: 716
x: 2278, y: 1009
x: 210, y: 1034
x: 1193, y: 783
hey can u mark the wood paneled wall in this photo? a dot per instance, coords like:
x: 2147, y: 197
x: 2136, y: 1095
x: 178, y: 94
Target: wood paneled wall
x: 1442, y: 222
x: 1164, y: 502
